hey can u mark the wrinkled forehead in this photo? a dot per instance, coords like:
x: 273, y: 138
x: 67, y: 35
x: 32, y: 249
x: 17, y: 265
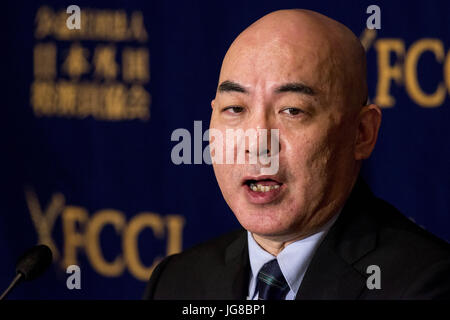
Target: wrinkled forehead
x: 264, y: 62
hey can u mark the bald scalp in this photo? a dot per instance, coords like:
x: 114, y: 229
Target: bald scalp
x: 340, y: 54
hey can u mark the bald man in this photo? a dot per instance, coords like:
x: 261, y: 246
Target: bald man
x: 312, y: 229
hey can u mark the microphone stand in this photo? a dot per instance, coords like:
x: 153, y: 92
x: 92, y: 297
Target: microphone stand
x: 15, y: 281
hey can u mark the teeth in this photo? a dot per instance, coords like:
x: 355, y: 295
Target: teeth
x: 261, y: 188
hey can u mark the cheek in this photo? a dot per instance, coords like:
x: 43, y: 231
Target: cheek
x: 229, y: 178
x: 222, y: 175
x: 309, y: 163
x: 306, y: 152
x: 223, y: 145
x: 224, y: 181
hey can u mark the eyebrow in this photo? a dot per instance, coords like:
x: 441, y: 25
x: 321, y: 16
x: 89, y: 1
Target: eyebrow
x: 296, y: 87
x: 230, y: 86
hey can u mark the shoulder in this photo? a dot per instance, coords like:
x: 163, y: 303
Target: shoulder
x: 211, y: 251
x: 189, y: 270
x: 414, y: 263
x: 396, y: 230
x: 365, y: 214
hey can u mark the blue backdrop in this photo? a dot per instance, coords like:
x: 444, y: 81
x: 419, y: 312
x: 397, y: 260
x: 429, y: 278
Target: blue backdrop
x: 88, y: 116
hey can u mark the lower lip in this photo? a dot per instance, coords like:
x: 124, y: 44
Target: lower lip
x: 262, y: 197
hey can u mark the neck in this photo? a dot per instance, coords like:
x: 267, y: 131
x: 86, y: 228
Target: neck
x: 274, y: 245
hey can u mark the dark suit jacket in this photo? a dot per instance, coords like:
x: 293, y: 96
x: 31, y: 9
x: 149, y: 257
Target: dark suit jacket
x: 414, y: 264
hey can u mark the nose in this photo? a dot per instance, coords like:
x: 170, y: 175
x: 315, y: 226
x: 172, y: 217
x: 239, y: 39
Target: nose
x: 264, y: 126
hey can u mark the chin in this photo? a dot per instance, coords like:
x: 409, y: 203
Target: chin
x: 261, y: 223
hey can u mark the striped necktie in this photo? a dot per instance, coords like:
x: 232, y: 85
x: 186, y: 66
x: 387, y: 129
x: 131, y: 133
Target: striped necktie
x: 271, y: 284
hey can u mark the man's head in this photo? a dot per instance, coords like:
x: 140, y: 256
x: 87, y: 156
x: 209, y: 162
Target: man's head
x: 304, y: 74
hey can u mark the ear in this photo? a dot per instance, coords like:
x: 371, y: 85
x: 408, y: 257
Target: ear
x: 369, y: 120
x: 212, y: 103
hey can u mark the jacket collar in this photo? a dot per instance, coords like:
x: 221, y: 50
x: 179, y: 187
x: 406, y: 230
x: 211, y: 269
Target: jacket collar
x: 237, y: 266
x: 331, y: 274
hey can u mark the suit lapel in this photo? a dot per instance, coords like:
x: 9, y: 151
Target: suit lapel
x: 236, y: 269
x: 331, y: 274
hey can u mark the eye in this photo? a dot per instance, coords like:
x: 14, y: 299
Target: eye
x: 233, y: 109
x: 292, y: 111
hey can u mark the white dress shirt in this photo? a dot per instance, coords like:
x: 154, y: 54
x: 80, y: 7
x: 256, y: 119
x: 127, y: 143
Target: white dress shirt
x: 294, y: 259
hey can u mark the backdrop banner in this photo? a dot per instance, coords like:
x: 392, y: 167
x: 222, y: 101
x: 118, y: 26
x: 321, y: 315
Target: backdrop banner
x: 89, y: 115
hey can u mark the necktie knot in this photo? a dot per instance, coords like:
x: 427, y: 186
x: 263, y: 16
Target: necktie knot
x: 271, y: 284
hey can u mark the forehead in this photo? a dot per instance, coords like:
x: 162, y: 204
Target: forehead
x: 253, y: 62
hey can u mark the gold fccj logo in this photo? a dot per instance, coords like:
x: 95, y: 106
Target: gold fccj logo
x: 81, y: 234
x: 405, y: 71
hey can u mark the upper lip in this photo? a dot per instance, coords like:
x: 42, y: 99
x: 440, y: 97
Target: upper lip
x: 258, y: 178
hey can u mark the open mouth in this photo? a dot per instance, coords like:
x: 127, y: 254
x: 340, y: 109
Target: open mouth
x: 263, y: 185
x: 263, y: 190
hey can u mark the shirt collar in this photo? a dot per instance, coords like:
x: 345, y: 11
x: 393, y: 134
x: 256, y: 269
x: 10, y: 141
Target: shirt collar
x: 293, y: 259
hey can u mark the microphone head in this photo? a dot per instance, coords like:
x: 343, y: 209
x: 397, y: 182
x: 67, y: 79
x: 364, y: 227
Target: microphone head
x: 34, y: 262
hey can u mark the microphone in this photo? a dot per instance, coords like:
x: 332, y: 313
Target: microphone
x: 31, y: 265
